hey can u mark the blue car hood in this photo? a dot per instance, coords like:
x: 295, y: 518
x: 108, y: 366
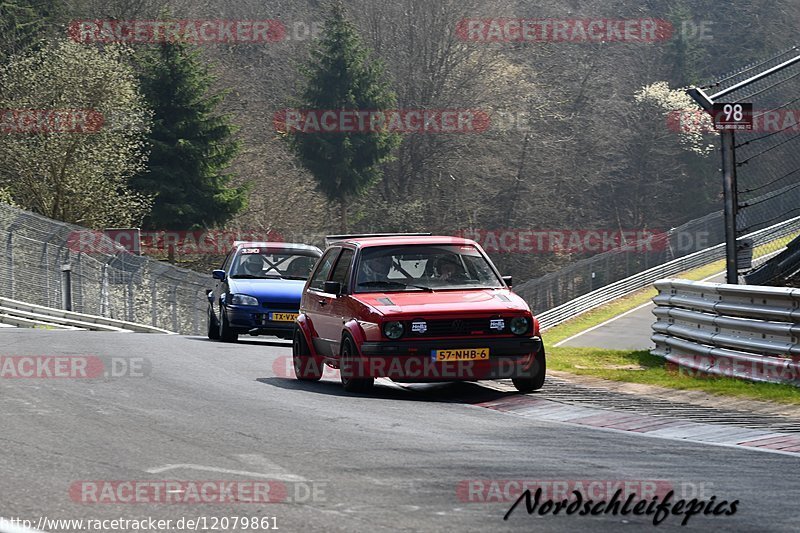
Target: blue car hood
x: 273, y: 290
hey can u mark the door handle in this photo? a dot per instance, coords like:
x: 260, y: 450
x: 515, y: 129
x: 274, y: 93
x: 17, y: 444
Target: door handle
x: 323, y: 302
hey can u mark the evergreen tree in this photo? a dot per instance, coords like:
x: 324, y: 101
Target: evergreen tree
x: 190, y: 144
x: 340, y: 76
x: 686, y: 54
x: 21, y: 24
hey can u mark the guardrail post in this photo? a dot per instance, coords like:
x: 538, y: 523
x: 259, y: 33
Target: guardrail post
x: 66, y: 287
x: 129, y: 300
x: 10, y: 261
x: 105, y: 305
x: 77, y: 296
x: 196, y: 315
x: 153, y: 302
x: 45, y: 264
x: 173, y: 297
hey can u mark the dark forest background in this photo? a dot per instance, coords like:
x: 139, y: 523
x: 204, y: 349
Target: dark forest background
x: 593, y: 149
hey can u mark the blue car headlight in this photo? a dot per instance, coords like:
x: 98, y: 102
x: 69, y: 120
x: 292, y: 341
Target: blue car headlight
x: 243, y: 299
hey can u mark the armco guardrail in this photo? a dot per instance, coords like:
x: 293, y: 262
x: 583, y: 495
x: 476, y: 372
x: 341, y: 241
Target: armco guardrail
x: 596, y: 298
x: 742, y: 331
x: 106, y: 280
x: 26, y: 314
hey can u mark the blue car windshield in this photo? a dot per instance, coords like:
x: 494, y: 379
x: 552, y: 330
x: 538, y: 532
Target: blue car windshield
x: 264, y: 263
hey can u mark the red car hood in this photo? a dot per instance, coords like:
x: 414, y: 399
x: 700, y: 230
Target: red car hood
x: 425, y: 303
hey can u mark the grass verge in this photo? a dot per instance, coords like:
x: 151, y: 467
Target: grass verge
x: 642, y: 367
x: 620, y: 305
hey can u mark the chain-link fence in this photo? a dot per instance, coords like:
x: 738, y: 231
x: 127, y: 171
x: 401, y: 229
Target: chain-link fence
x: 767, y: 158
x: 115, y: 284
x: 591, y: 273
x: 768, y: 171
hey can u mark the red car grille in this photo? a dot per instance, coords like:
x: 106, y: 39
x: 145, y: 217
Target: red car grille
x: 461, y: 327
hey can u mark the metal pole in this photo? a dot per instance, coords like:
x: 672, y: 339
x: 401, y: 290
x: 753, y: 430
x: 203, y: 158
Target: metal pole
x: 66, y: 287
x: 729, y: 193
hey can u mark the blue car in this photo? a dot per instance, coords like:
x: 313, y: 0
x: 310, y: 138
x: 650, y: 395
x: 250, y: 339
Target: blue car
x: 257, y: 290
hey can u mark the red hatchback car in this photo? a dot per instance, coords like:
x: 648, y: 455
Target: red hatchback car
x: 414, y: 309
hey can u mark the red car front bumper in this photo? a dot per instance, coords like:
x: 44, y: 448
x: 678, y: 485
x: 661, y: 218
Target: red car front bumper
x: 415, y: 360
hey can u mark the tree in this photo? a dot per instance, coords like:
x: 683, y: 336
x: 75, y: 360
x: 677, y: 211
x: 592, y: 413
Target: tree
x: 191, y: 145
x: 340, y: 76
x: 61, y: 153
x: 21, y: 22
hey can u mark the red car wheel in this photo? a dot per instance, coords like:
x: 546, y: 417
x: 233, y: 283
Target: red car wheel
x: 535, y: 380
x: 349, y: 369
x: 306, y: 367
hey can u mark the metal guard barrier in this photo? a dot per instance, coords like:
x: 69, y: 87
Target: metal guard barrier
x: 742, y: 331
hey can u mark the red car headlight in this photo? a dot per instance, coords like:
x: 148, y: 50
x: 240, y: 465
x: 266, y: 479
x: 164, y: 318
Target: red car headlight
x: 520, y: 325
x: 394, y: 330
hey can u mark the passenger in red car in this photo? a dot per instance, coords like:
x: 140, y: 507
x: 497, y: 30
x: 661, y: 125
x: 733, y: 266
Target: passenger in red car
x: 376, y: 269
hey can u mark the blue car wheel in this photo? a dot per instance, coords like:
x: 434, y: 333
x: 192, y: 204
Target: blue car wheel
x: 226, y: 333
x: 213, y: 326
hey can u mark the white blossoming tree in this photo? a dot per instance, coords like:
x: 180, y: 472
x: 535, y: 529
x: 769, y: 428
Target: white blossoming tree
x: 681, y: 113
x: 75, y: 169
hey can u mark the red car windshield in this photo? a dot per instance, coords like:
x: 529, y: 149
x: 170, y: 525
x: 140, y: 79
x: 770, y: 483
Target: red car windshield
x: 424, y: 267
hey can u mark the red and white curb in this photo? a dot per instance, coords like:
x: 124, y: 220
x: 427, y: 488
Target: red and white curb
x: 647, y: 425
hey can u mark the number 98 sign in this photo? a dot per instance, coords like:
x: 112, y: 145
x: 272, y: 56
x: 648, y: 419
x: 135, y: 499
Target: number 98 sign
x: 733, y: 116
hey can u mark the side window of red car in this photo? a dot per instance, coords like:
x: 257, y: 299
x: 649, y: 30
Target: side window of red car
x: 323, y: 269
x: 340, y: 272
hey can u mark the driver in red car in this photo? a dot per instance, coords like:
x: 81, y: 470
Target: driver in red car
x: 449, y: 269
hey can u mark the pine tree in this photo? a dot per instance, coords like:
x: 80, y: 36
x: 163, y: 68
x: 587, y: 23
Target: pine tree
x: 340, y: 76
x: 190, y: 144
x: 21, y: 24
